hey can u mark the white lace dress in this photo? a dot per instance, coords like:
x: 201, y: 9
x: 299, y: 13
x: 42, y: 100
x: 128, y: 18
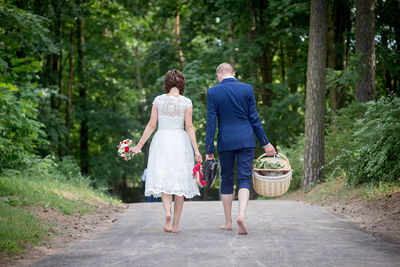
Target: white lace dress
x: 171, y: 160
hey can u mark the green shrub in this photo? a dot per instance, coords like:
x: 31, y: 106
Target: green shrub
x: 363, y: 145
x: 286, y: 111
x: 378, y: 158
x: 20, y: 131
x: 295, y: 154
x: 339, y: 141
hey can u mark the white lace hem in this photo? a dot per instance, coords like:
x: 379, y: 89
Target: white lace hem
x: 157, y: 193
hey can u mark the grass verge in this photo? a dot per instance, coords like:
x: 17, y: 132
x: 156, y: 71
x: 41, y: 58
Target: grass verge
x: 336, y: 190
x: 43, y: 186
x: 17, y: 228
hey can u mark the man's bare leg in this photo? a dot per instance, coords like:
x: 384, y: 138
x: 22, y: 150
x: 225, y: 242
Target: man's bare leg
x: 227, y: 203
x: 243, y: 197
x: 167, y: 203
x: 178, y: 206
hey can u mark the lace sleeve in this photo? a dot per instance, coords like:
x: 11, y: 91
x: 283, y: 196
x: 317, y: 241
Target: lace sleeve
x: 156, y: 100
x: 188, y: 103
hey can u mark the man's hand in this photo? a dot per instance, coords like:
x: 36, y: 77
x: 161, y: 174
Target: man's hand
x: 210, y: 156
x: 269, y: 150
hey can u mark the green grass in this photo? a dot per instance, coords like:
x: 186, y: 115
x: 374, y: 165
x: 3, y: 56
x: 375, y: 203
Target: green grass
x: 336, y: 190
x: 18, y: 227
x: 49, y: 193
x: 40, y: 185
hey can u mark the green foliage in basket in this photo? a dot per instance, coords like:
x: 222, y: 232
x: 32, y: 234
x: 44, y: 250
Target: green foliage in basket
x: 263, y: 164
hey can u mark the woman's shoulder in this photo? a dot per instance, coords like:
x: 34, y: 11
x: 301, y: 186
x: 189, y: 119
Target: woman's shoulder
x: 158, y: 98
x: 186, y: 98
x: 187, y: 101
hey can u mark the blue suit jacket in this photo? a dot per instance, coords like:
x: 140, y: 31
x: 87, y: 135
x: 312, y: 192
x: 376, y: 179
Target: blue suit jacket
x: 233, y: 103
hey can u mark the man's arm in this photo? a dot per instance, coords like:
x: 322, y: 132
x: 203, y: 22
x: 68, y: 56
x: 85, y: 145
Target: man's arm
x: 257, y: 126
x: 211, y: 125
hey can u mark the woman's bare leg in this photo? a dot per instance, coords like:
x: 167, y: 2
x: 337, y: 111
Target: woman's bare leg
x: 178, y: 206
x: 167, y: 203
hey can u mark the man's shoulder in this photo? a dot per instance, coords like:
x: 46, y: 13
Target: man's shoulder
x: 246, y: 85
x: 233, y: 83
x: 212, y: 88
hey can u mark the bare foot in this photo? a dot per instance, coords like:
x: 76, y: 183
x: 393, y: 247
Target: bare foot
x: 167, y: 225
x: 226, y: 227
x: 175, y: 230
x: 242, y: 228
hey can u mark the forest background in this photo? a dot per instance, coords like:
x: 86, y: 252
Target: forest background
x: 79, y: 76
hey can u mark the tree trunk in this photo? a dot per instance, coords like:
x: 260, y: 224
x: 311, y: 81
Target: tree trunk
x: 365, y: 46
x: 342, y: 23
x: 291, y: 56
x: 315, y: 94
x: 395, y: 5
x: 177, y: 33
x: 266, y: 61
x: 84, y: 131
x: 230, y: 30
x: 331, y: 61
x: 282, y: 57
x: 60, y: 83
x: 266, y: 65
x: 137, y: 60
x: 339, y: 23
x: 54, y: 80
x: 251, y: 35
x: 69, y: 93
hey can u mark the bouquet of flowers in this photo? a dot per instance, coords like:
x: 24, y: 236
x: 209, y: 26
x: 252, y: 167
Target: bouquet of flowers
x: 124, y: 149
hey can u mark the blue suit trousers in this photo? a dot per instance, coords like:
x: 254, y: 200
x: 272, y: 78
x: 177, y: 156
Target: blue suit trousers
x: 244, y: 162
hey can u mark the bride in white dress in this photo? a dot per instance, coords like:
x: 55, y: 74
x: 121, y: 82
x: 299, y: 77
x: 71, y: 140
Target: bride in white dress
x: 170, y: 164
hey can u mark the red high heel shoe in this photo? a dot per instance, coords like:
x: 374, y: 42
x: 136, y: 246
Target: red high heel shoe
x: 198, y: 175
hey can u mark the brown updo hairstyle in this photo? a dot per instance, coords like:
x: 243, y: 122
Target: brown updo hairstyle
x: 174, y: 78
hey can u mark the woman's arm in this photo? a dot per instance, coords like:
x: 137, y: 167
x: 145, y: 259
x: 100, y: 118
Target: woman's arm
x: 148, y: 131
x: 191, y: 133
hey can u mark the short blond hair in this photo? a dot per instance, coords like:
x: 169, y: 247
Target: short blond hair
x: 225, y: 69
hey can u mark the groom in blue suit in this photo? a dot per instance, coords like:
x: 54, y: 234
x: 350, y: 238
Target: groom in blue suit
x: 233, y: 103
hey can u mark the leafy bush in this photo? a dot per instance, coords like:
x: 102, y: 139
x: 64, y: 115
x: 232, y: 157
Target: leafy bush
x: 295, y: 154
x: 364, y: 143
x: 20, y: 132
x: 378, y: 159
x: 285, y: 111
x: 339, y: 141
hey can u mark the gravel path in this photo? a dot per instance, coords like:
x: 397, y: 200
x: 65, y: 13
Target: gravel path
x: 281, y: 233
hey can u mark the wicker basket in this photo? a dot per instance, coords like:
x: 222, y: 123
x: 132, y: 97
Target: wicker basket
x: 272, y: 182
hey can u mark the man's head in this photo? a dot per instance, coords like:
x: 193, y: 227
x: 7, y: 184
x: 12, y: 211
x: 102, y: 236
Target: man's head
x: 224, y: 70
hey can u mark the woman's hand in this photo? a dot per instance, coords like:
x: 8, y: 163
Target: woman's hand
x: 198, y: 157
x: 136, y: 149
